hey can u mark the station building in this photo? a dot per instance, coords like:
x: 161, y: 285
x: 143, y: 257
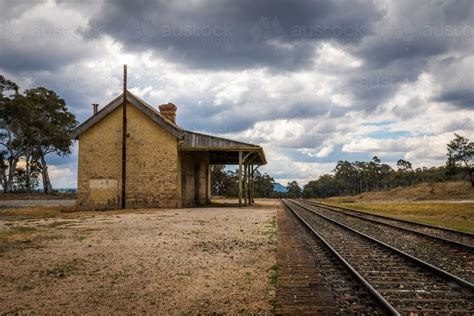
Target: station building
x: 132, y: 155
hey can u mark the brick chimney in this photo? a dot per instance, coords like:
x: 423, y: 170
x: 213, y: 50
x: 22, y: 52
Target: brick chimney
x: 95, y: 107
x: 168, y: 111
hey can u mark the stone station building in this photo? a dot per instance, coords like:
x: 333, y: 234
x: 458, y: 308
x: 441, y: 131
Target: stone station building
x: 133, y: 156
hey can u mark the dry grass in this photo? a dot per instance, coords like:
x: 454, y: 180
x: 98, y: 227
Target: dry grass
x: 35, y: 212
x: 37, y: 196
x: 59, y: 211
x: 457, y: 216
x: 458, y: 190
x: 436, y: 204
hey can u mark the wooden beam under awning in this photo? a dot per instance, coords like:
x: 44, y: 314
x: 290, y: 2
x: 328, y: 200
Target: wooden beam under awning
x: 221, y: 150
x: 231, y: 157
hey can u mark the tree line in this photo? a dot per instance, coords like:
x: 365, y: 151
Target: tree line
x: 350, y: 178
x: 226, y: 183
x: 33, y: 124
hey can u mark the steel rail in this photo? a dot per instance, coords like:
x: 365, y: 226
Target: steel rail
x: 384, y: 304
x: 440, y: 272
x: 437, y: 238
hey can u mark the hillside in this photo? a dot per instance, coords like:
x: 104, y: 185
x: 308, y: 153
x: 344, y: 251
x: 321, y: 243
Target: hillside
x: 459, y: 190
x: 277, y: 187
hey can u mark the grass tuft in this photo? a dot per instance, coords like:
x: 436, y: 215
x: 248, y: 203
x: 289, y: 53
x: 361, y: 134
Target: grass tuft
x: 271, y: 231
x: 274, y: 274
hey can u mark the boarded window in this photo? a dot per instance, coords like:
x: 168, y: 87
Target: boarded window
x: 103, y: 192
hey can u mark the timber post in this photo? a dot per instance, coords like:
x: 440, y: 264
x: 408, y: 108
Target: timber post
x: 245, y: 184
x: 124, y: 137
x: 240, y: 178
x: 252, y: 184
x: 253, y: 188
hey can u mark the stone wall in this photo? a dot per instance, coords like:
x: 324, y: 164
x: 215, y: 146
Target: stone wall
x: 152, y: 163
x: 153, y: 179
x: 99, y: 179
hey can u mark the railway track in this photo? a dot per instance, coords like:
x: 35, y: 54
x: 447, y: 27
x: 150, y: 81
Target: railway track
x: 449, y: 235
x: 401, y: 283
x: 349, y: 296
x: 452, y: 256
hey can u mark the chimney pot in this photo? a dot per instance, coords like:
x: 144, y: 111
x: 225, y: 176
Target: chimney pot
x: 95, y: 107
x: 168, y: 111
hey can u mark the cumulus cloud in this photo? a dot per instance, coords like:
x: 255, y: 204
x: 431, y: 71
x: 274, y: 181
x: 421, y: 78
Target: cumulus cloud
x: 416, y: 148
x: 310, y: 82
x: 320, y: 153
x: 63, y: 176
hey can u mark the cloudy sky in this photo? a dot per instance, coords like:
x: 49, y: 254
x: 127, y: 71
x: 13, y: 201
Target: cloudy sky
x: 313, y: 82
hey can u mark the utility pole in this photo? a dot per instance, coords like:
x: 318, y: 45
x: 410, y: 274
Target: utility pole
x: 124, y: 137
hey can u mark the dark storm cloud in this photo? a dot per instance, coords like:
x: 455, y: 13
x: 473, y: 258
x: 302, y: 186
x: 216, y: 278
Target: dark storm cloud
x: 414, y: 29
x: 234, y: 34
x: 229, y: 119
x: 458, y: 10
x: 39, y: 36
x: 463, y: 98
x: 395, y: 44
x: 372, y: 86
x: 17, y: 60
x: 383, y: 52
x: 410, y: 36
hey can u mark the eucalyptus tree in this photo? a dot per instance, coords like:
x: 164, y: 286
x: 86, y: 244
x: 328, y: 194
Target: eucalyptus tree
x: 9, y: 117
x: 461, y: 153
x: 32, y: 125
x: 50, y: 126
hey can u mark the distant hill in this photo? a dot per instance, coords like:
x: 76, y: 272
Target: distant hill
x: 277, y: 187
x: 457, y: 190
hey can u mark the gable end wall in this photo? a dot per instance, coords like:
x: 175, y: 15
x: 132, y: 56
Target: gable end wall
x: 152, y: 164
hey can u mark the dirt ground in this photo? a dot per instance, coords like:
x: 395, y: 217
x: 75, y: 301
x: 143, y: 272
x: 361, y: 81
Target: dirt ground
x: 201, y: 260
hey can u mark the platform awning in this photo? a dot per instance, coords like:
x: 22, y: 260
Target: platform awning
x: 223, y: 151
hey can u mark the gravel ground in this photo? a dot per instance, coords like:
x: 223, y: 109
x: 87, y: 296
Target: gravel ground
x: 202, y: 260
x: 446, y: 257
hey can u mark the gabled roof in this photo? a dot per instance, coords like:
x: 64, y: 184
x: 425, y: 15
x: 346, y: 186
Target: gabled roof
x: 222, y: 150
x: 147, y: 109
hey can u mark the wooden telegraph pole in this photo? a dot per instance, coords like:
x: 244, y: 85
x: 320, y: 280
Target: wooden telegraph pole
x: 124, y: 137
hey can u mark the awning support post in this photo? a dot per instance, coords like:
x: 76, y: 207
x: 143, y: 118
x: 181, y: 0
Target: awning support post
x: 252, y: 184
x: 249, y: 183
x: 245, y: 184
x: 240, y: 179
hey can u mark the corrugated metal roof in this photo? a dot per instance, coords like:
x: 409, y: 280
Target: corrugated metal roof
x: 201, y: 142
